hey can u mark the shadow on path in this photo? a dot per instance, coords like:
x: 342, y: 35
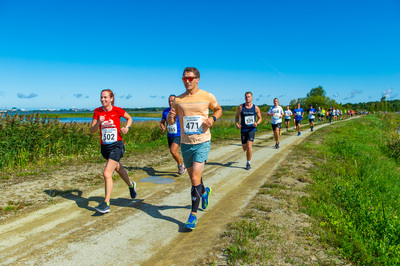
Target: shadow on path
x: 152, y: 210
x: 152, y: 172
x: 228, y: 164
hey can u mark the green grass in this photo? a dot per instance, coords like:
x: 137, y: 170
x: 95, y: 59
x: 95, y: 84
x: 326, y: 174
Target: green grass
x: 356, y: 194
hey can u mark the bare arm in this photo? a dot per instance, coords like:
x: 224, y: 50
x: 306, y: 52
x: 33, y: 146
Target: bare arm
x: 259, y: 117
x: 171, y: 118
x: 125, y: 129
x: 217, y: 113
x: 95, y: 124
x: 239, y: 110
x: 162, y: 125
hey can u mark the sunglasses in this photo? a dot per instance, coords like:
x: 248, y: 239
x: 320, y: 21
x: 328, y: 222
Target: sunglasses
x: 188, y: 78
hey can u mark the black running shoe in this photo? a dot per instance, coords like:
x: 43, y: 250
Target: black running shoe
x: 132, y: 190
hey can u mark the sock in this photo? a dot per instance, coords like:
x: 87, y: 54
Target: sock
x: 248, y: 162
x: 195, y: 197
x: 203, y: 188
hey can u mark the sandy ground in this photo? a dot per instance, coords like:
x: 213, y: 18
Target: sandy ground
x: 148, y: 230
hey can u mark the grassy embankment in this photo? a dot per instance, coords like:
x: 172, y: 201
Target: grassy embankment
x: 353, y: 198
x: 38, y: 140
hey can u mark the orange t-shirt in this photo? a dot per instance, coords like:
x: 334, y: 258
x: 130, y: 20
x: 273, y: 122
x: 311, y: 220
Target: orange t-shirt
x: 193, y: 110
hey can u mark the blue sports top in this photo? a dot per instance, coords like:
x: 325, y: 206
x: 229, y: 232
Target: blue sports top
x: 248, y: 118
x: 298, y: 113
x: 175, y: 129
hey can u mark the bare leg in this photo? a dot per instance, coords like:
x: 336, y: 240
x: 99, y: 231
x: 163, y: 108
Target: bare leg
x: 175, y: 154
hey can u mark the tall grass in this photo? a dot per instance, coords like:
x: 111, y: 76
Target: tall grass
x: 356, y: 194
x: 35, y: 140
x: 24, y: 140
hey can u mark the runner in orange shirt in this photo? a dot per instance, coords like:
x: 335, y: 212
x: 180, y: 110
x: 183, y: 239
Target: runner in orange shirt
x: 193, y: 110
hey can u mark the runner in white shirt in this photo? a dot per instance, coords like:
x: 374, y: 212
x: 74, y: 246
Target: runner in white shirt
x: 276, y: 113
x: 288, y: 114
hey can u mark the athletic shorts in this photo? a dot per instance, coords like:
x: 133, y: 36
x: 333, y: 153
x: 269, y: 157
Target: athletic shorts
x: 310, y: 120
x: 195, y: 153
x: 287, y: 120
x: 275, y: 126
x: 176, y: 140
x: 297, y: 122
x: 114, y: 151
x: 247, y: 136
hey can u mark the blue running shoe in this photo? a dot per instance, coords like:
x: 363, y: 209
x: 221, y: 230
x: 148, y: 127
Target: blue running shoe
x: 191, y: 223
x: 103, y: 207
x: 205, y: 198
x: 132, y: 190
x: 298, y: 134
x: 248, y: 166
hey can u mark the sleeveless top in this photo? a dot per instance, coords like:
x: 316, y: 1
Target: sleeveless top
x: 248, y: 118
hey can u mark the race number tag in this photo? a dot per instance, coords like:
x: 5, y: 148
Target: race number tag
x: 192, y: 125
x: 249, y: 120
x: 277, y: 115
x: 109, y: 135
x: 311, y: 116
x: 172, y: 129
x: 298, y: 113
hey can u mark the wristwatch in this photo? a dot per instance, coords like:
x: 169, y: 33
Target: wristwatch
x: 215, y: 119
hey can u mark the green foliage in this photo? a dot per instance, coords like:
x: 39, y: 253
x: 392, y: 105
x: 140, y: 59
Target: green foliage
x: 356, y: 193
x: 316, y: 92
x: 33, y: 141
x: 29, y: 139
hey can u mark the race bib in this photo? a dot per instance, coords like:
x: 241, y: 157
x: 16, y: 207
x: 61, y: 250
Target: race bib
x: 298, y: 113
x: 109, y: 135
x: 172, y: 129
x: 249, y: 120
x: 192, y: 125
x: 311, y: 116
x: 277, y: 115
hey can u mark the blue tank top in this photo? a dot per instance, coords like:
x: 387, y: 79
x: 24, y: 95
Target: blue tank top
x: 248, y: 118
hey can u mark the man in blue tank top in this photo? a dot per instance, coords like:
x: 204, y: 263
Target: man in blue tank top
x: 173, y: 136
x: 250, y: 118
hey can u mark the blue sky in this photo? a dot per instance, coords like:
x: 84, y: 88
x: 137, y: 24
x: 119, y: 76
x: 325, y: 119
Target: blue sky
x: 61, y: 54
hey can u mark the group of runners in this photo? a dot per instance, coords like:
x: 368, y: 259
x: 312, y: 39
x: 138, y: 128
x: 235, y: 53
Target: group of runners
x: 188, y: 124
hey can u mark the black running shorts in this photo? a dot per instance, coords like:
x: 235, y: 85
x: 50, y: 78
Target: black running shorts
x: 176, y: 140
x: 248, y: 136
x: 275, y: 126
x: 114, y: 151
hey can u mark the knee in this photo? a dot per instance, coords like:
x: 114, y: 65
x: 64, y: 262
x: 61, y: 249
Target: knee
x: 107, y: 176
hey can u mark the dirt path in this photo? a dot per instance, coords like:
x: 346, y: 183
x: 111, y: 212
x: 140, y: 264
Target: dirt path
x: 149, y: 229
